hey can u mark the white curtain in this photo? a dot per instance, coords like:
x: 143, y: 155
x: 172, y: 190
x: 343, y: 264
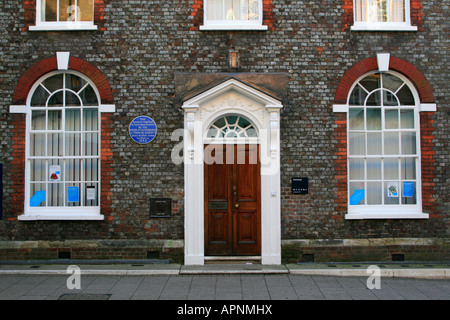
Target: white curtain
x: 397, y: 10
x: 361, y: 10
x: 215, y: 9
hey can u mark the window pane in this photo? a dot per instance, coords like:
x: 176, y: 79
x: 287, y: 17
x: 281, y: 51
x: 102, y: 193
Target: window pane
x: 357, y: 143
x: 361, y: 10
x: 220, y: 123
x: 90, y: 170
x: 405, y: 96
x: 407, y: 119
x: 374, y: 146
x: 73, y: 144
x: 38, y: 170
x: 90, y: 119
x: 408, y: 168
x: 87, y: 10
x: 54, y: 120
x: 379, y: 11
x: 231, y: 120
x: 374, y: 169
x: 374, y: 119
x: 72, y: 100
x: 67, y: 11
x: 389, y: 99
x: 37, y: 144
x: 250, y: 10
x: 40, y: 97
x: 73, y: 170
x: 409, y: 143
x: 356, y: 169
x: 38, y: 120
x: 212, y: 132
x: 390, y: 169
x: 391, y: 192
x: 371, y: 82
x: 356, y: 119
x: 73, y: 120
x: 215, y: 10
x: 74, y: 82
x: 55, y: 195
x: 54, y: 83
x: 232, y: 10
x: 391, y: 119
x: 358, y: 96
x: 374, y: 193
x: 88, y: 97
x: 391, y: 143
x: 397, y: 10
x: 243, y: 123
x: 90, y: 144
x: 357, y: 193
x: 56, y: 100
x: 54, y: 144
x: 391, y: 82
x: 50, y: 10
x: 251, y: 133
x: 374, y: 99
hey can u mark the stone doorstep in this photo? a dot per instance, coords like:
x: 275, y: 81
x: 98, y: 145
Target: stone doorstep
x: 223, y: 269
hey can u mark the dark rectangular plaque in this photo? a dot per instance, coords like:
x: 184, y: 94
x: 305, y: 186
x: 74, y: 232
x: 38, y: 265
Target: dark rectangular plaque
x: 160, y: 207
x: 218, y: 205
x: 299, y: 185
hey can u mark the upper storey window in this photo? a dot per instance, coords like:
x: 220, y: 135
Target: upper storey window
x: 233, y: 15
x: 379, y: 15
x: 64, y: 15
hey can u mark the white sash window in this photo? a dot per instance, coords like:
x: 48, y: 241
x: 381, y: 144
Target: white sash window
x: 233, y: 15
x: 384, y: 148
x: 64, y: 15
x: 382, y: 15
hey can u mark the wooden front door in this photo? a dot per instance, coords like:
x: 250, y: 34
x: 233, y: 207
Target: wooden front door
x: 232, y: 200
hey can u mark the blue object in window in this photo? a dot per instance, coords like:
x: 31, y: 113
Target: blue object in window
x: 408, y: 189
x: 356, y: 197
x: 37, y: 198
x: 74, y: 194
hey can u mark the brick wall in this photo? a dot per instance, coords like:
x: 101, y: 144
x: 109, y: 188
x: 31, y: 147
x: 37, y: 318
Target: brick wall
x: 139, y: 48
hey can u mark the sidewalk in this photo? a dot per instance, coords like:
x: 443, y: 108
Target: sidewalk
x: 431, y: 270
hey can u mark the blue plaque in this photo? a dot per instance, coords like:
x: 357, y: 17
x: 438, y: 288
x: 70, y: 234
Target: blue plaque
x: 143, y: 130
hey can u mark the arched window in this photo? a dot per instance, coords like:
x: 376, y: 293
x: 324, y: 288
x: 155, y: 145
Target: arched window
x: 63, y: 146
x: 383, y: 145
x: 232, y: 127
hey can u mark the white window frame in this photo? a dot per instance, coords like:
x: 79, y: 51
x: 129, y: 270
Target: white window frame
x: 60, y: 213
x: 61, y: 25
x: 384, y: 26
x: 233, y: 24
x: 356, y: 212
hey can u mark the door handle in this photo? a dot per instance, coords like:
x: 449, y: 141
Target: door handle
x: 236, y: 205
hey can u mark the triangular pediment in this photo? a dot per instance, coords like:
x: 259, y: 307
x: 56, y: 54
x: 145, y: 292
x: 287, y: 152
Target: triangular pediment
x: 232, y: 85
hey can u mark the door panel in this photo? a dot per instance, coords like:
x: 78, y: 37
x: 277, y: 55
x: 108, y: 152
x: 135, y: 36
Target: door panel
x: 232, y: 200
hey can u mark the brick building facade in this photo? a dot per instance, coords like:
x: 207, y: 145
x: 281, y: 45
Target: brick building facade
x: 293, y: 71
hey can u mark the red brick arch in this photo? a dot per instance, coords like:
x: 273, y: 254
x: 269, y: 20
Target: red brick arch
x: 43, y: 67
x: 395, y: 64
